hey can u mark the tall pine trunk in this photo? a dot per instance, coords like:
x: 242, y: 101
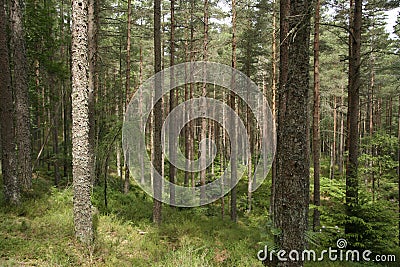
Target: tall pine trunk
x: 93, y: 81
x: 398, y: 159
x: 353, y: 116
x: 274, y: 87
x: 158, y: 114
x: 128, y: 85
x: 316, y: 118
x: 293, y: 163
x: 81, y: 160
x: 203, y: 133
x: 172, y: 104
x: 8, y: 157
x: 20, y: 85
x: 232, y: 121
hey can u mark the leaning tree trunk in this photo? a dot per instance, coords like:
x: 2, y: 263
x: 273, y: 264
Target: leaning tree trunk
x: 7, y: 153
x: 81, y: 162
x: 293, y: 163
x: 20, y: 84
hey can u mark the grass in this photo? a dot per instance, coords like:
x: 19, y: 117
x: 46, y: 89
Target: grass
x: 41, y: 233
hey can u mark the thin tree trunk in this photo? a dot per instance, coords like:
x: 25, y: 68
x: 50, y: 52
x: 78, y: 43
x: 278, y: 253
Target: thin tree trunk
x: 203, y: 133
x: 341, y: 143
x: 80, y: 130
x: 274, y: 87
x: 398, y: 159
x: 54, y: 120
x: 128, y: 85
x: 316, y: 119
x: 20, y: 85
x: 172, y: 104
x: 187, y: 128
x: 232, y: 121
x: 93, y: 47
x: 8, y: 154
x: 333, y: 149
x: 158, y: 114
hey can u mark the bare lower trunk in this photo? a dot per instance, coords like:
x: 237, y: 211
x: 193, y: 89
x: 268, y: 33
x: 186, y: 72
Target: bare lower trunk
x: 20, y: 84
x: 82, y: 183
x: 333, y: 149
x: 316, y: 119
x: 128, y: 85
x: 7, y: 153
x: 172, y: 104
x: 158, y: 114
x: 353, y: 115
x: 232, y: 121
x: 293, y: 163
x: 203, y: 133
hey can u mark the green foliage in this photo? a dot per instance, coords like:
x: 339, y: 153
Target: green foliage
x: 41, y: 232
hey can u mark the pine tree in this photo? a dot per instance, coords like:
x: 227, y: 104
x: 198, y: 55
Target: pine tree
x: 293, y: 165
x: 20, y: 85
x: 8, y: 157
x: 81, y: 161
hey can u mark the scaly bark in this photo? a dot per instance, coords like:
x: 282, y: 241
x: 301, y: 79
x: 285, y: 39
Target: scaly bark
x: 293, y: 163
x: 81, y: 161
x: 158, y: 114
x: 7, y: 153
x: 353, y: 116
x: 20, y: 85
x: 316, y: 119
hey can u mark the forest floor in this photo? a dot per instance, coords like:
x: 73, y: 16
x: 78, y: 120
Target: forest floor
x: 41, y: 233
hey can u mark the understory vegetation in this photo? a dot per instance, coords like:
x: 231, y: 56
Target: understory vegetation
x: 40, y: 232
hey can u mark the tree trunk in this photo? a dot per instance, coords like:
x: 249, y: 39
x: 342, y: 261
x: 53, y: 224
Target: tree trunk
x: 232, y: 121
x: 172, y: 104
x: 80, y: 128
x: 341, y: 143
x: 316, y: 119
x: 128, y: 85
x: 333, y: 149
x: 398, y: 159
x: 203, y: 133
x: 20, y: 84
x: 54, y: 121
x: 353, y: 116
x: 92, y: 40
x: 8, y: 153
x: 274, y: 91
x: 158, y: 114
x: 293, y: 163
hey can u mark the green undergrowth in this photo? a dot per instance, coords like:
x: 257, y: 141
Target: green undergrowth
x: 40, y: 233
